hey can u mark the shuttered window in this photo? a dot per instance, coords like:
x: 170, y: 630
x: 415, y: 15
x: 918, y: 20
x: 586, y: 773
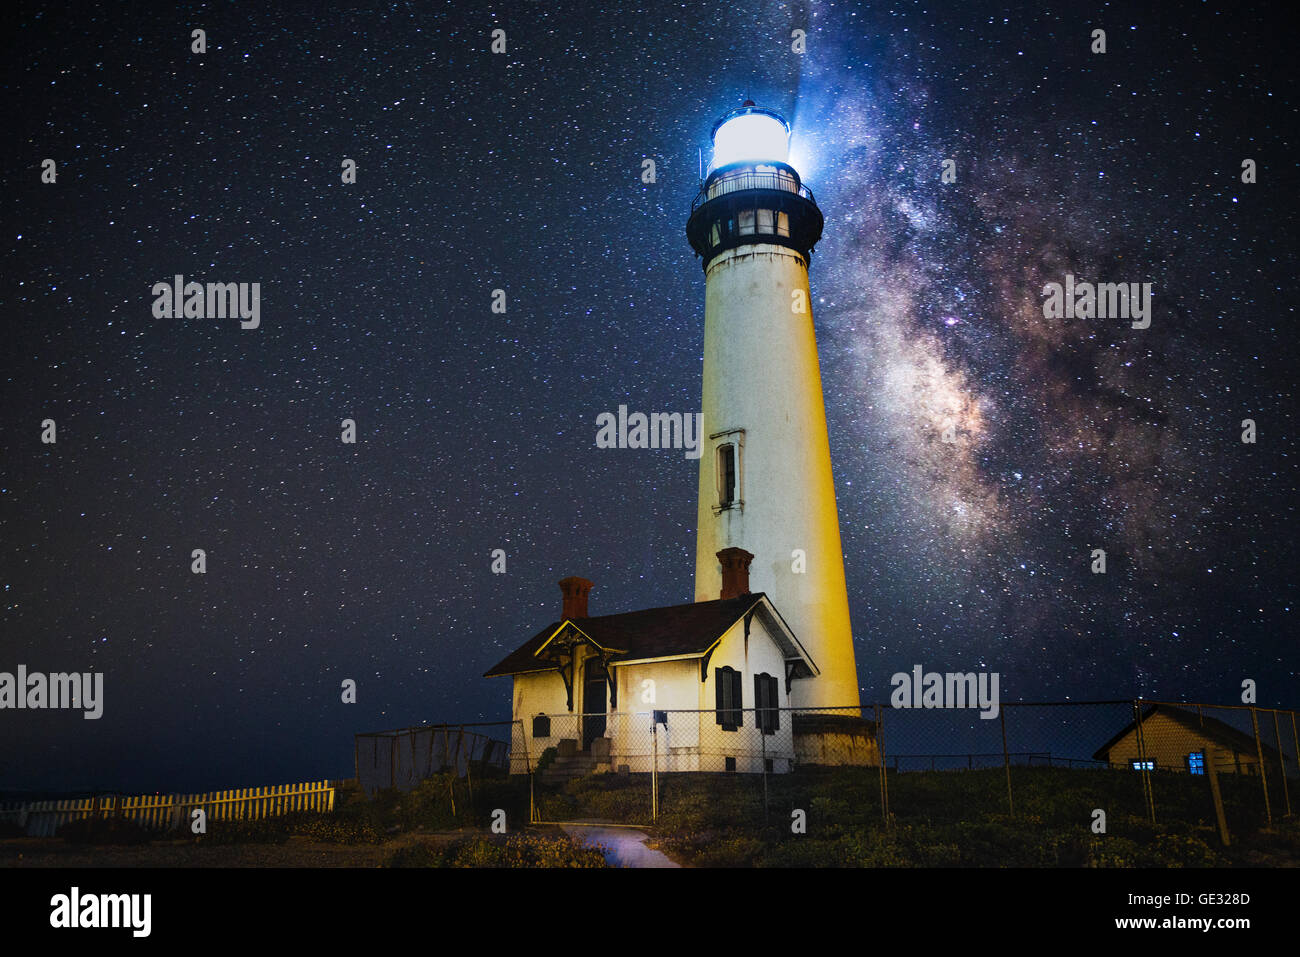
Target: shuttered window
x: 767, y: 702
x: 729, y: 714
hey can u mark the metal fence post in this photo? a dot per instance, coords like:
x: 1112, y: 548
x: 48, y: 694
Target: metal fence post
x: 1006, y: 759
x: 880, y: 761
x: 762, y: 743
x: 1147, y: 793
x: 1259, y: 756
x: 528, y: 764
x: 1218, y: 797
x: 1281, y: 760
x: 1295, y: 738
x: 654, y: 768
x: 469, y: 756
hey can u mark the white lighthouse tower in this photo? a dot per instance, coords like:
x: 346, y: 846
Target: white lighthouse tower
x: 765, y: 472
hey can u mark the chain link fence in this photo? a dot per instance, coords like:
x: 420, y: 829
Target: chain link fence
x: 1232, y: 769
x: 627, y: 767
x: 1229, y: 767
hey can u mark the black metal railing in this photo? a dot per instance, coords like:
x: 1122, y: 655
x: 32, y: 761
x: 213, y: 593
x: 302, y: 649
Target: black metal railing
x: 739, y: 182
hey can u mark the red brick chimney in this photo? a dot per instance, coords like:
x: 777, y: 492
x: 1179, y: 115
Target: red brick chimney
x: 575, y: 591
x: 735, y: 571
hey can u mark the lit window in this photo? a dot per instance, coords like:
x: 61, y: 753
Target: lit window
x: 1147, y: 765
x: 1196, y: 762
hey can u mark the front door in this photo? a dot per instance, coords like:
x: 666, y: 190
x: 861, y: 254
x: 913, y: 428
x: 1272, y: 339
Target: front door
x: 595, y: 697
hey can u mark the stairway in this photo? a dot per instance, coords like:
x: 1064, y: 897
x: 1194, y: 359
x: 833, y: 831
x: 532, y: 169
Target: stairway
x: 567, y: 767
x: 571, y: 763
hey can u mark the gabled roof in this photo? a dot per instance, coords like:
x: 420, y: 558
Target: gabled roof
x: 1210, y: 728
x: 674, y: 631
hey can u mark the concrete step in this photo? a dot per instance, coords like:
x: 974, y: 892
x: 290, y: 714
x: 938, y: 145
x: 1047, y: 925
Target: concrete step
x: 566, y: 768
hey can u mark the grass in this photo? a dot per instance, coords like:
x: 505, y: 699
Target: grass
x: 939, y: 818
x: 944, y: 818
x: 961, y: 818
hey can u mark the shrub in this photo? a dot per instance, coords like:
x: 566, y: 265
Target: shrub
x: 519, y: 850
x: 1113, y: 852
x: 1184, y: 850
x: 733, y: 851
x: 429, y: 805
x: 333, y: 828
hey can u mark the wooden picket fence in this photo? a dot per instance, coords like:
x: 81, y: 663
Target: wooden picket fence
x: 164, y: 812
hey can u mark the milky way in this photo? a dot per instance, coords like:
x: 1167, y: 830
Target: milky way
x: 1063, y: 435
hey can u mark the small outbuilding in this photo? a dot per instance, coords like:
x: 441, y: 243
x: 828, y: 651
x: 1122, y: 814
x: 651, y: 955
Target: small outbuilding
x: 1176, y: 739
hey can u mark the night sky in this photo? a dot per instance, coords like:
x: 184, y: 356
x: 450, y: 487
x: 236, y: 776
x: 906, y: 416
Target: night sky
x: 476, y: 430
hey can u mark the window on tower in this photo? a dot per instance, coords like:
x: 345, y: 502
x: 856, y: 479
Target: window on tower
x: 727, y: 475
x: 728, y: 469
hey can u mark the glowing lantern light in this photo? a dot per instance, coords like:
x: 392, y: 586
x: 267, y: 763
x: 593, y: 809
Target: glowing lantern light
x: 750, y: 135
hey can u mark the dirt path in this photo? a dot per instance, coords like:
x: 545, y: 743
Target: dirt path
x: 623, y: 846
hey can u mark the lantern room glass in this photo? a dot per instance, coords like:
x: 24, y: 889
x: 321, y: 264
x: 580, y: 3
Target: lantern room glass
x: 751, y: 138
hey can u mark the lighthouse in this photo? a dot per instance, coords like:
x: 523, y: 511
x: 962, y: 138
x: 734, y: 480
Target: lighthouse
x: 765, y: 482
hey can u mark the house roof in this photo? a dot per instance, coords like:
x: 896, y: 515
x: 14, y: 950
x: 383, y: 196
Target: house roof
x: 1210, y: 728
x: 670, y: 632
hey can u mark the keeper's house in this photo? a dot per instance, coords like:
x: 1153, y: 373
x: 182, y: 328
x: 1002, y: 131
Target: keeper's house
x: 693, y: 687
